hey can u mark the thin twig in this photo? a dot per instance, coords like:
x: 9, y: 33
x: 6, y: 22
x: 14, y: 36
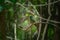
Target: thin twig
x: 46, y: 3
x: 45, y: 29
x: 50, y: 20
x: 38, y: 13
x: 44, y: 18
x: 40, y: 24
x: 44, y: 32
x: 42, y: 4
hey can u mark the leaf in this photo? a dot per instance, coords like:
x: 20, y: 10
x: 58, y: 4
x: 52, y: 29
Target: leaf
x: 27, y: 14
x: 20, y: 34
x: 50, y: 31
x: 33, y: 29
x: 25, y: 23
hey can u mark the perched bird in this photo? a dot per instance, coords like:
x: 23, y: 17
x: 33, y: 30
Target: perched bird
x: 32, y: 19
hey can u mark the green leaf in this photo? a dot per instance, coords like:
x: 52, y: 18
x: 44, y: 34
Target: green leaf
x: 50, y: 31
x: 33, y: 29
x: 20, y: 34
x: 25, y: 23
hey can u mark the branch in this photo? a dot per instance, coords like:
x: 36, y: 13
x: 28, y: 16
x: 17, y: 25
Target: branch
x: 38, y: 13
x: 42, y: 4
x: 40, y: 23
x: 50, y: 20
x: 45, y: 29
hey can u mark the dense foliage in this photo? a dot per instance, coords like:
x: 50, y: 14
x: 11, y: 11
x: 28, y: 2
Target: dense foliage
x: 27, y: 20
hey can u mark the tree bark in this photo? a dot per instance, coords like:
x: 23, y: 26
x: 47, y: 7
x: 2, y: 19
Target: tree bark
x: 2, y: 24
x: 57, y: 18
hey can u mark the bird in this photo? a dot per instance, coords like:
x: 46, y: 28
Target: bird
x: 32, y: 19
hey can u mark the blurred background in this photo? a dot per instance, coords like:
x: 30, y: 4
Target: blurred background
x: 29, y: 19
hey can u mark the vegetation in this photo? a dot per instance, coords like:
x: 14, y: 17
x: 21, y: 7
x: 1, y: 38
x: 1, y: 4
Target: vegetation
x: 29, y: 20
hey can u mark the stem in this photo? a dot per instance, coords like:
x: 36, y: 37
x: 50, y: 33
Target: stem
x: 45, y: 29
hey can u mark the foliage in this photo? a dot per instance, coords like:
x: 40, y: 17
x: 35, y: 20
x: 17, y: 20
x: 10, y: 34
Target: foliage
x: 50, y: 32
x: 19, y: 17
